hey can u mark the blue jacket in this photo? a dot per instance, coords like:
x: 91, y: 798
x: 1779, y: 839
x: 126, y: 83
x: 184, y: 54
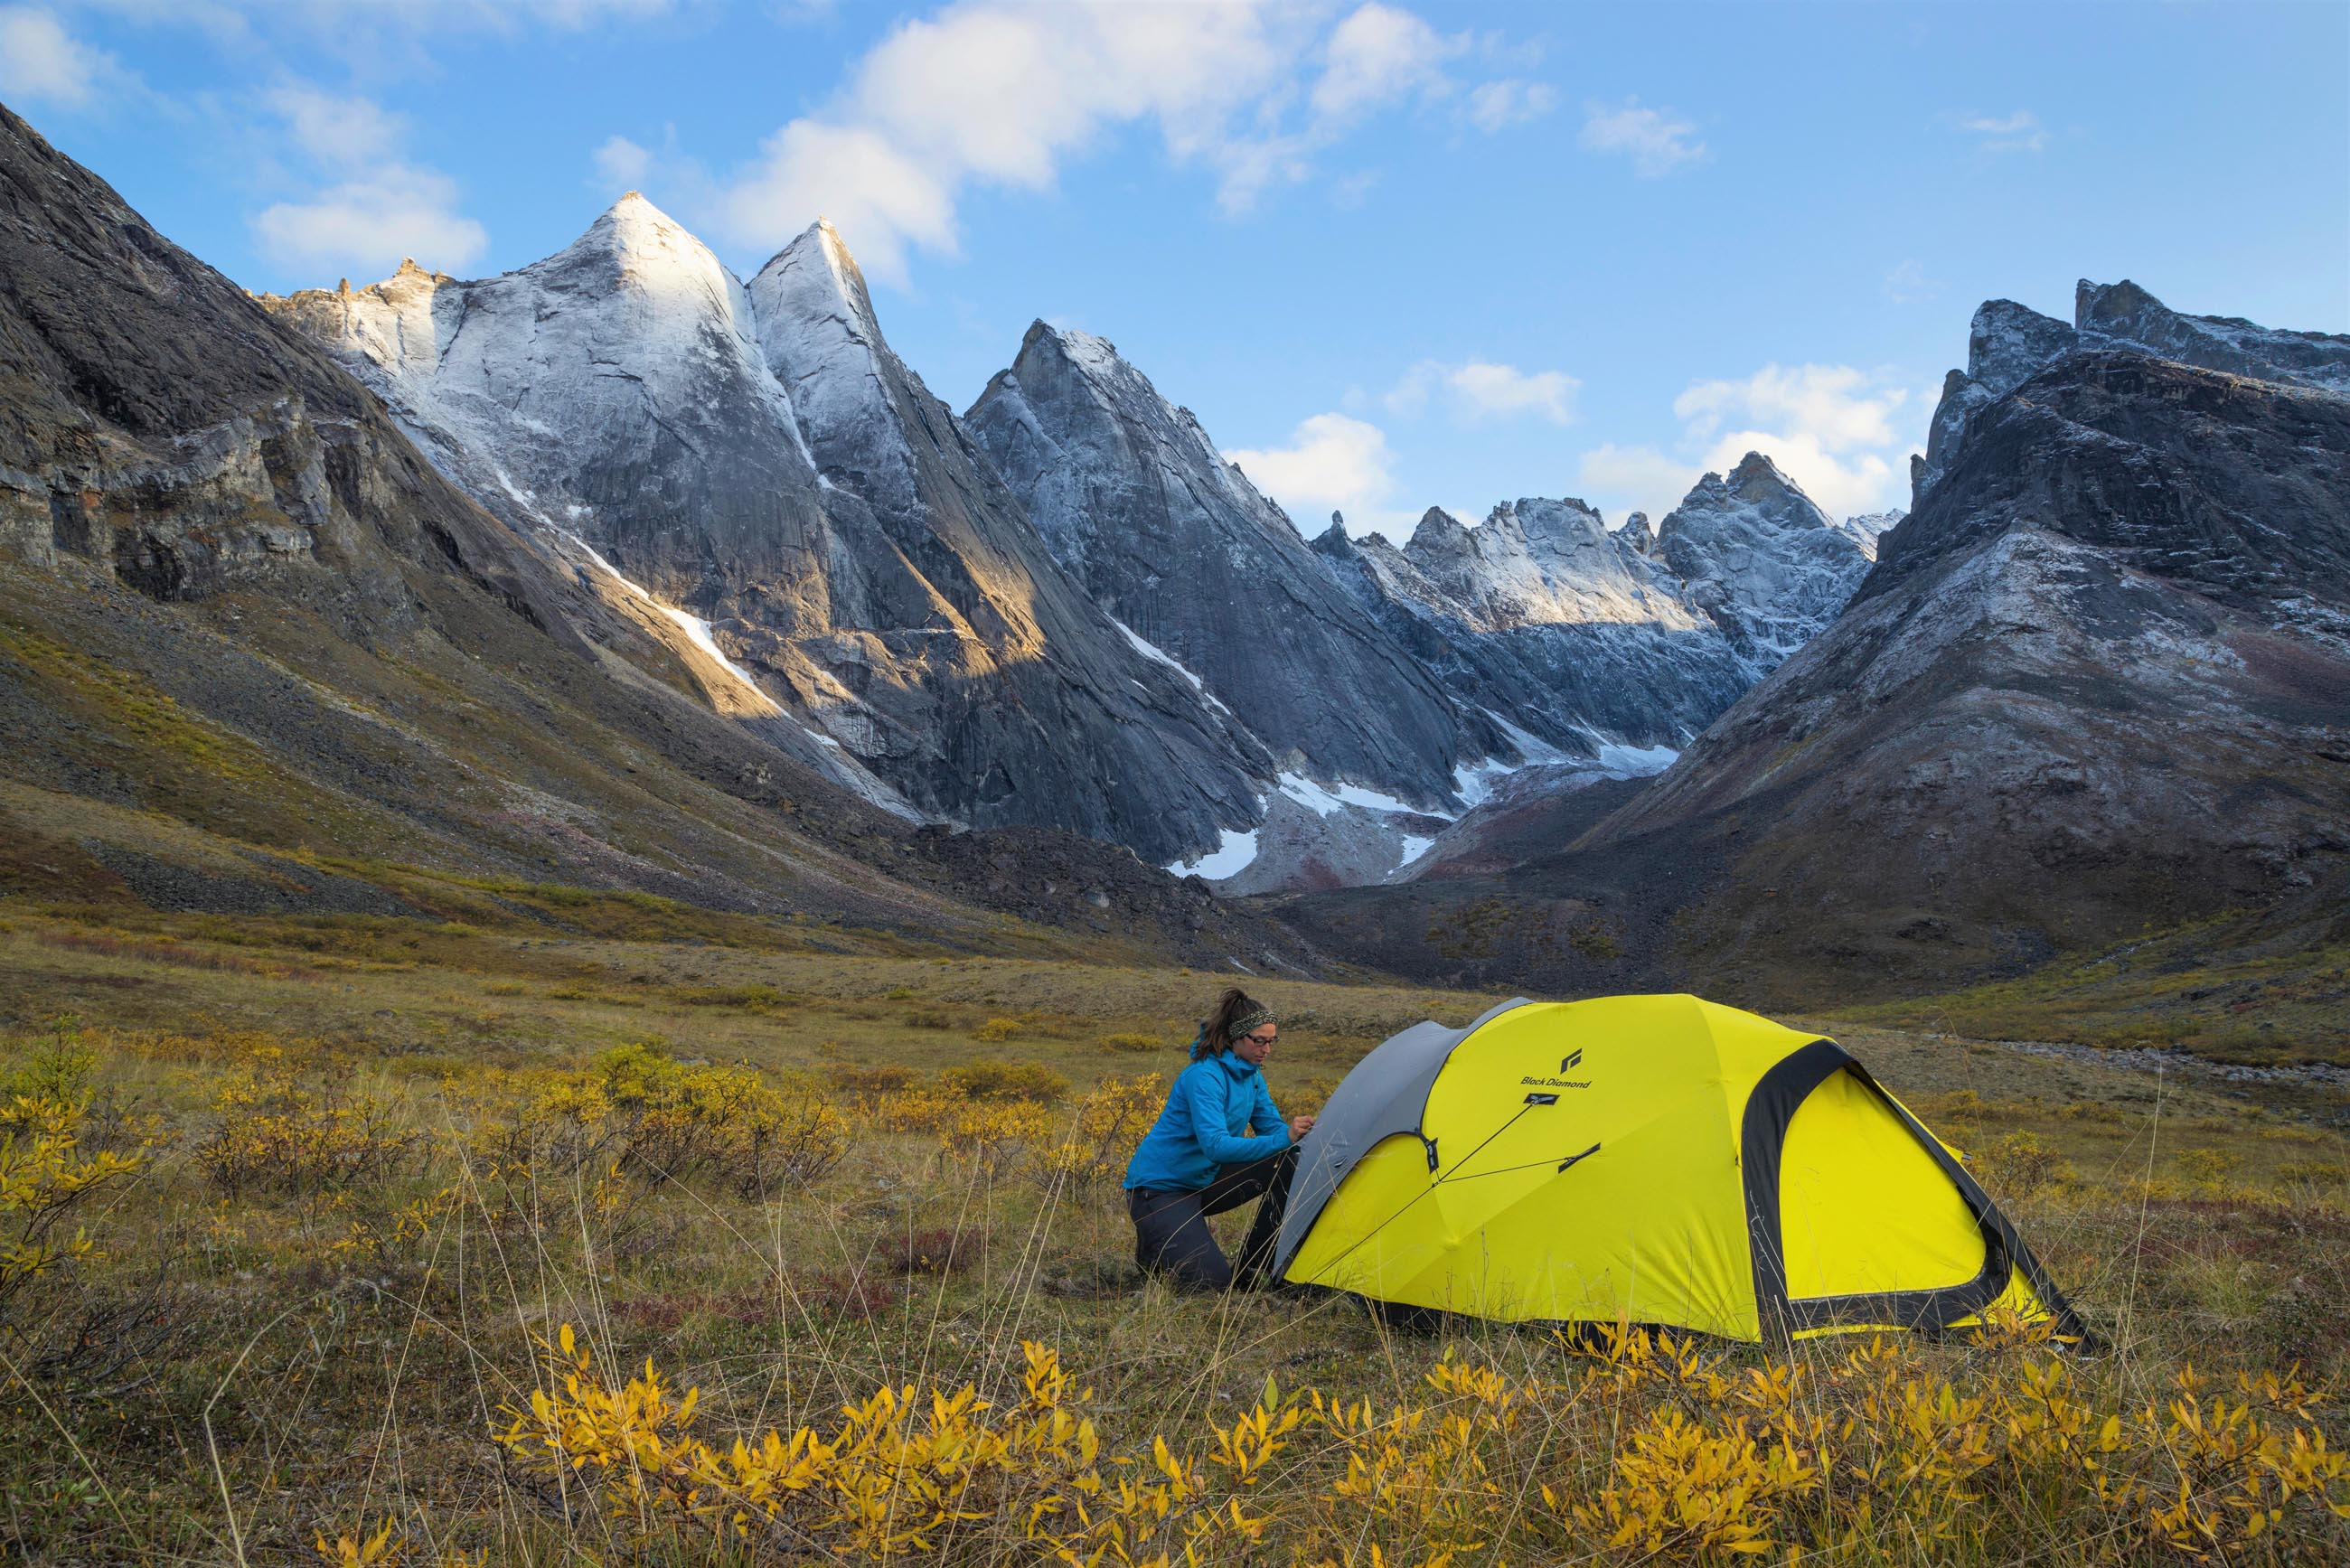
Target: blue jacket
x: 1213, y: 1104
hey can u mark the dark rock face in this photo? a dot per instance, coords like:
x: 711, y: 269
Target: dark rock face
x: 163, y: 428
x: 758, y: 457
x: 1054, y: 713
x: 239, y: 598
x: 2099, y: 680
x: 1176, y: 543
x: 2097, y: 685
x: 2009, y: 344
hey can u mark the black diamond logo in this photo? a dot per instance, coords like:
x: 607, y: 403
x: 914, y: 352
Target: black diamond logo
x: 1570, y: 1060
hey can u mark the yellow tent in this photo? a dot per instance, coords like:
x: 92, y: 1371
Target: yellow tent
x: 1647, y: 1159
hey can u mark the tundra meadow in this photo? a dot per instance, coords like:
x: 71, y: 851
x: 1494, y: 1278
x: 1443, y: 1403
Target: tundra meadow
x: 681, y: 1238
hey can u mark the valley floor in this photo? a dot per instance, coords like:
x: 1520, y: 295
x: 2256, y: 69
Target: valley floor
x: 325, y: 1237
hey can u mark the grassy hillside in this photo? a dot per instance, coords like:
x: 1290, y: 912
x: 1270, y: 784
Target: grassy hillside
x: 2226, y: 990
x: 344, y: 1183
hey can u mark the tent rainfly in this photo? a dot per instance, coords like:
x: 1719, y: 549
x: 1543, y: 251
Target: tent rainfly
x: 1657, y: 1160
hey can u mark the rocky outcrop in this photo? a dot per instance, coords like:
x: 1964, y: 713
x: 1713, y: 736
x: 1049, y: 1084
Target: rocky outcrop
x: 2098, y: 681
x: 1544, y: 619
x: 2124, y: 315
x: 1755, y: 554
x: 245, y: 617
x: 2007, y: 344
x: 758, y: 464
x: 1176, y: 543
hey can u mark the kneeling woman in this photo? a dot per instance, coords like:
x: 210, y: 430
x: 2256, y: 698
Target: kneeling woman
x: 1218, y: 1143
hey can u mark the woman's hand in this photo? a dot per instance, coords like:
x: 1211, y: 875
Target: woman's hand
x: 1298, y: 1127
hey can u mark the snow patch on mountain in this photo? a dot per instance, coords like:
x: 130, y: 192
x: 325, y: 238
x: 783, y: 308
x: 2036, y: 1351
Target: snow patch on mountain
x: 1159, y: 654
x: 748, y: 698
x: 1234, y: 853
x: 1866, y: 528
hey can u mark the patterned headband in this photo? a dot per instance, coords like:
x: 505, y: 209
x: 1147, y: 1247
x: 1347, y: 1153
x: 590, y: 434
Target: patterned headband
x: 1249, y: 1022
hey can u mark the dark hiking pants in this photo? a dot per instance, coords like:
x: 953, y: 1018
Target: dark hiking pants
x: 1171, y: 1229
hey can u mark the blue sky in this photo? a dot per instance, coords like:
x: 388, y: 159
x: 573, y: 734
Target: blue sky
x: 1392, y: 255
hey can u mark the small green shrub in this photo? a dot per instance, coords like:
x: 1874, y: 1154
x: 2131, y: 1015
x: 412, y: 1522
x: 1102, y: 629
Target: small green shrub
x: 1130, y: 1041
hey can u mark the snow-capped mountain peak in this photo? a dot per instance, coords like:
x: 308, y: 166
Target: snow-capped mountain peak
x: 1762, y: 558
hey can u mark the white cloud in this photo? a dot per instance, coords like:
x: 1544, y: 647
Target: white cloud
x: 363, y: 227
x: 373, y: 206
x: 999, y: 93
x: 874, y: 192
x: 336, y: 128
x: 40, y: 62
x: 1496, y: 106
x: 622, y: 164
x: 1658, y: 141
x: 1906, y: 282
x: 2019, y: 132
x: 1332, y: 461
x: 1377, y: 56
x: 1627, y: 479
x: 1479, y: 390
x: 1842, y: 434
x: 1842, y: 407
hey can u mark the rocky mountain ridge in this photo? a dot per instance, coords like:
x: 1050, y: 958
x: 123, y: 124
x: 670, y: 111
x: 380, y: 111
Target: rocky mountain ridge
x: 1548, y: 640
x: 258, y: 655
x: 1604, y: 651
x: 756, y: 457
x: 2097, y: 685
x: 1134, y: 500
x: 2008, y: 343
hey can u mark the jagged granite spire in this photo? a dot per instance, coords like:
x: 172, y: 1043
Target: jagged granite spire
x: 1138, y: 503
x: 2008, y: 344
x: 1765, y: 562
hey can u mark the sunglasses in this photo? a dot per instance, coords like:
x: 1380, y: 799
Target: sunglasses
x: 1260, y: 1039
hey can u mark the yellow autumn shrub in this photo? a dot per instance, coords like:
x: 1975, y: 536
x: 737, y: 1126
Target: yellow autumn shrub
x: 1110, y: 1121
x: 903, y: 1471
x: 46, y: 1177
x: 277, y: 1132
x: 640, y: 1109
